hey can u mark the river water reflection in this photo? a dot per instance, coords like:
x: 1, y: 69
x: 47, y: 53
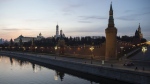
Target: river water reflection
x: 16, y: 71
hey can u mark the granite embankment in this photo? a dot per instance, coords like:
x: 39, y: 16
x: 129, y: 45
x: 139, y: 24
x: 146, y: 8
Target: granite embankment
x: 109, y: 72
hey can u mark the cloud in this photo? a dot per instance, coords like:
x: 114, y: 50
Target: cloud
x: 13, y: 29
x: 84, y: 21
x: 128, y: 18
x: 85, y: 33
x: 132, y: 17
x: 87, y: 29
x: 128, y: 11
x: 66, y: 13
x: 37, y: 20
x: 91, y: 17
x: 88, y: 19
x: 4, y: 0
x: 71, y: 7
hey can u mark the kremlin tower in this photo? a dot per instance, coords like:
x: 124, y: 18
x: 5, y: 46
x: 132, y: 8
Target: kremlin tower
x: 111, y: 38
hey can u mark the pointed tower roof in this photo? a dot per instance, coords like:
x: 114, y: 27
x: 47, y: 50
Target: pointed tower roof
x: 136, y: 31
x: 139, y: 26
x: 111, y: 19
x: 20, y: 36
x: 57, y: 25
x: 40, y: 34
x: 111, y: 7
x: 139, y: 29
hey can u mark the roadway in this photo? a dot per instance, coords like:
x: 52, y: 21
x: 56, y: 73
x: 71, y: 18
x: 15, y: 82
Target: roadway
x: 142, y: 59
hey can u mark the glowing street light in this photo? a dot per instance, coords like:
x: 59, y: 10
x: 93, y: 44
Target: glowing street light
x: 144, y: 49
x: 35, y: 48
x: 24, y: 48
x: 91, y: 48
x: 55, y: 47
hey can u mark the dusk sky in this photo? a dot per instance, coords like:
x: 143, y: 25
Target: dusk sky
x: 74, y: 17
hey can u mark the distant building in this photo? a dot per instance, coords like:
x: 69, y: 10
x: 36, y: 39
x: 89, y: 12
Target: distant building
x: 138, y: 36
x: 77, y: 38
x: 96, y: 37
x: 27, y: 39
x: 61, y: 34
x: 138, y: 33
x: 1, y: 41
x: 39, y: 37
x: 57, y: 32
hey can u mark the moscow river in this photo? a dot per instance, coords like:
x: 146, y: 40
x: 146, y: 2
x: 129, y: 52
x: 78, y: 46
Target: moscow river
x: 19, y: 71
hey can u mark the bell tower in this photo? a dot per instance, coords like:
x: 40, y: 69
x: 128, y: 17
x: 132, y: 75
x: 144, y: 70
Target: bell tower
x: 57, y: 31
x: 139, y: 32
x: 111, y: 38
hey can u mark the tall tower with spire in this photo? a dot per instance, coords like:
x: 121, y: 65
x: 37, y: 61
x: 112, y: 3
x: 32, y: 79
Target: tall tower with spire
x: 57, y: 31
x: 138, y: 33
x: 111, y: 38
x: 139, y: 29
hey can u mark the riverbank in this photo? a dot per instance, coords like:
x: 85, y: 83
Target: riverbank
x: 97, y: 70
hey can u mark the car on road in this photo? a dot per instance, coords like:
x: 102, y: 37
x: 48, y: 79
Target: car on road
x: 128, y: 64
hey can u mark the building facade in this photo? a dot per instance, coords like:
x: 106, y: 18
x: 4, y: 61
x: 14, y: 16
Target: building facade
x: 138, y: 36
x: 57, y: 32
x: 1, y: 41
x: 27, y: 39
x: 138, y: 33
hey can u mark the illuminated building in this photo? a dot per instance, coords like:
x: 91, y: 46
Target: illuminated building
x: 57, y: 32
x: 27, y: 39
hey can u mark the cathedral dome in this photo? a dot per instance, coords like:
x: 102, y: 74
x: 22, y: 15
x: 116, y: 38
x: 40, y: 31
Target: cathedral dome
x: 20, y: 36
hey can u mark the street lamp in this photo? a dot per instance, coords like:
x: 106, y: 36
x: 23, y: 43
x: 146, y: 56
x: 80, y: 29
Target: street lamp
x: 1, y: 48
x: 91, y: 48
x: 5, y: 48
x: 58, y: 50
x: 55, y: 51
x: 13, y: 48
x: 144, y: 49
x: 24, y: 48
x: 42, y: 49
x: 121, y: 50
x: 35, y: 49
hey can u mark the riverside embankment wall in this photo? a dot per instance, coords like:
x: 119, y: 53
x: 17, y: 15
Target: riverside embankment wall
x: 109, y: 72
